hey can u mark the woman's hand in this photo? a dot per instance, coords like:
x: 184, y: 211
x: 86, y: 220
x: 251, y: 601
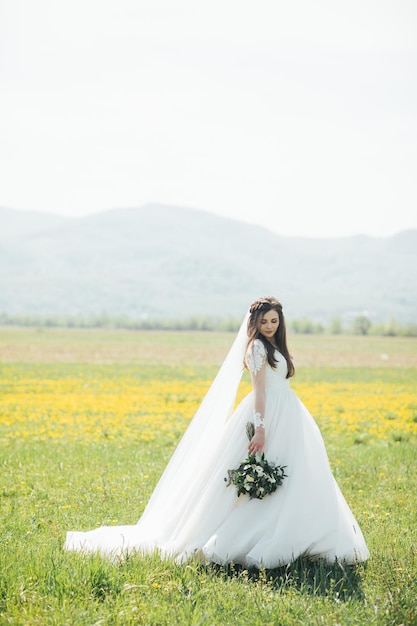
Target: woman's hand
x: 257, y: 443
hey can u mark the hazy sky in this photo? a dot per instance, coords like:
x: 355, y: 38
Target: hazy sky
x: 300, y: 115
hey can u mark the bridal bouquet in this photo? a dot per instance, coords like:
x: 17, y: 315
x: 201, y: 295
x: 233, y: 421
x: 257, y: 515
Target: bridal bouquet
x: 255, y: 476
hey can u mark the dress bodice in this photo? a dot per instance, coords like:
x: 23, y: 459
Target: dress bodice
x: 281, y: 368
x: 256, y: 358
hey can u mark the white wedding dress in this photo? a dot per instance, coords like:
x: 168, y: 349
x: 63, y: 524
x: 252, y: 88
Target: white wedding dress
x: 193, y: 513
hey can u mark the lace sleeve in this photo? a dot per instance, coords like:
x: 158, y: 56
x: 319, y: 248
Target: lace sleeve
x: 256, y: 356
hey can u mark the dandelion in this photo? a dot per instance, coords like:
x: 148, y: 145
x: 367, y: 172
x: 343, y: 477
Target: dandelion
x: 116, y: 405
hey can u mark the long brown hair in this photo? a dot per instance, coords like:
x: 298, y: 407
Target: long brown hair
x: 257, y: 310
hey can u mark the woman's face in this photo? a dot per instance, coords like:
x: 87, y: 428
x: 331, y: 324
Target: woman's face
x: 268, y: 324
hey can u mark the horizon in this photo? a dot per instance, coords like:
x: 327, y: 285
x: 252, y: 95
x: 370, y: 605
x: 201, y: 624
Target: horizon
x: 150, y: 262
x: 213, y: 214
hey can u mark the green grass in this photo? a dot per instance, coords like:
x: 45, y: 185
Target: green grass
x: 47, y: 488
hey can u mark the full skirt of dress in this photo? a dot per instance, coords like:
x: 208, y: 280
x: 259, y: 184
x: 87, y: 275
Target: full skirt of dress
x: 307, y: 516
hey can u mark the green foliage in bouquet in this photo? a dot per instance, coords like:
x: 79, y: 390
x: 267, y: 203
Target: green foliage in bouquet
x: 255, y: 476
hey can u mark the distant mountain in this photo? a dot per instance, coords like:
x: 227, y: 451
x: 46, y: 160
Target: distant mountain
x: 173, y: 262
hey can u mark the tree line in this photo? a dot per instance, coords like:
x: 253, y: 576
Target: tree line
x: 360, y: 325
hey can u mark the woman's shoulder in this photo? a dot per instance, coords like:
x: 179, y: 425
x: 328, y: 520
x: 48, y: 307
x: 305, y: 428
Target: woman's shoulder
x: 257, y: 345
x: 255, y: 355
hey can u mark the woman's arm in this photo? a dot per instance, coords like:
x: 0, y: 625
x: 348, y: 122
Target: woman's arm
x: 257, y: 363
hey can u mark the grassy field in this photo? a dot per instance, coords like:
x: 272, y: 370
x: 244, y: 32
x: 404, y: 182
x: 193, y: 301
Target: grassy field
x: 88, y: 420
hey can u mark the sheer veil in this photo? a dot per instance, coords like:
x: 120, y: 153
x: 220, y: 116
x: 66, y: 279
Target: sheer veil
x: 197, y: 454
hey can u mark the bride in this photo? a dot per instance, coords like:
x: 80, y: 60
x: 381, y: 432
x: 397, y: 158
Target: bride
x: 192, y: 513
